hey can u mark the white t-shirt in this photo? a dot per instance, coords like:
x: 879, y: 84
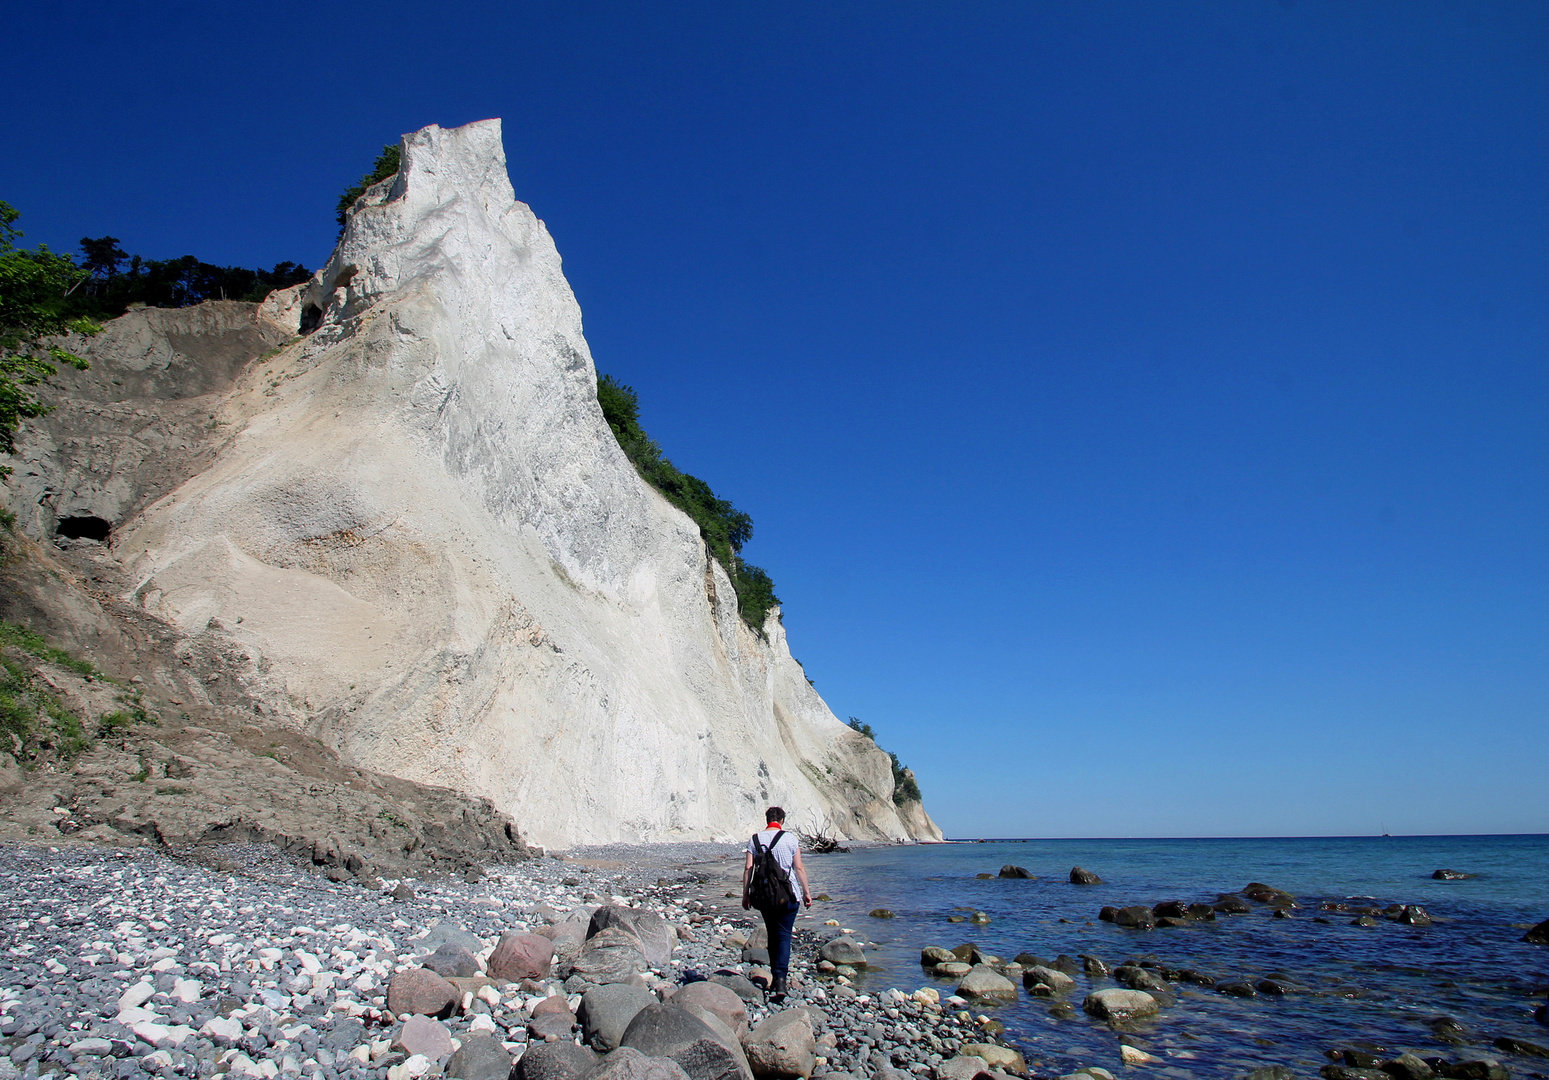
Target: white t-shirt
x: 784, y: 854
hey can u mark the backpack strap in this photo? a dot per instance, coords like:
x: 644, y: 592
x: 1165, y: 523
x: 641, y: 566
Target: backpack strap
x: 777, y: 837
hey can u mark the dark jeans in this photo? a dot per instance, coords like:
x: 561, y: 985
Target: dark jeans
x: 780, y: 922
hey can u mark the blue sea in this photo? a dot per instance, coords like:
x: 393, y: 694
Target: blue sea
x: 1381, y: 985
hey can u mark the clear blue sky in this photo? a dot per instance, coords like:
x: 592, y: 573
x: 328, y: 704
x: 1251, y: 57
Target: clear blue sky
x: 1141, y: 405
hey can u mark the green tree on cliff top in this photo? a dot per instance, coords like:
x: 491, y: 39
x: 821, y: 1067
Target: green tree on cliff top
x: 34, y: 287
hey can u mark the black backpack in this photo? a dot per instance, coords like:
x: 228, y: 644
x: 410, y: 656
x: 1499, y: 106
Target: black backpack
x: 769, y: 886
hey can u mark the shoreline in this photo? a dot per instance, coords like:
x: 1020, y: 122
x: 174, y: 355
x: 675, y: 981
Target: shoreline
x: 126, y: 963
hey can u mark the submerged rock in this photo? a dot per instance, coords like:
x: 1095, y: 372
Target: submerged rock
x: 1451, y: 875
x: 1079, y: 876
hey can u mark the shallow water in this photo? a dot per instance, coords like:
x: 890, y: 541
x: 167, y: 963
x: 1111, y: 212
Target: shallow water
x: 1470, y: 965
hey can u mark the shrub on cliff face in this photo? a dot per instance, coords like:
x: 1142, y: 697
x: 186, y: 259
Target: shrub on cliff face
x: 34, y: 290
x: 725, y: 528
x: 386, y: 165
x: 905, y: 789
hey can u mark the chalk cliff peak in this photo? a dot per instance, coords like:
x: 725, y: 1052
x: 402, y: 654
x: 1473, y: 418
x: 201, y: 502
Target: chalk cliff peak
x: 421, y: 542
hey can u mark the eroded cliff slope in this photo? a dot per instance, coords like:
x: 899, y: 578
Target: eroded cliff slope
x: 414, y: 534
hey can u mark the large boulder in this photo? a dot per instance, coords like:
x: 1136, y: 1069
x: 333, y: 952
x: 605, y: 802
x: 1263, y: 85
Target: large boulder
x: 519, y: 956
x: 420, y: 990
x: 442, y: 933
x: 720, y: 1000
x: 1120, y: 1006
x: 1079, y: 876
x: 568, y: 935
x: 481, y: 1057
x: 1010, y: 871
x: 675, y: 1031
x: 984, y: 983
x: 650, y: 929
x: 1002, y: 1058
x: 422, y: 1035
x: 740, y: 985
x: 782, y: 1045
x: 1268, y: 894
x: 609, y: 956
x: 627, y: 1063
x: 932, y: 955
x: 1138, y: 917
x: 1539, y: 935
x: 562, y: 1060
x: 964, y: 1067
x: 1039, y: 975
x: 606, y: 1011
x: 843, y: 950
x: 451, y: 960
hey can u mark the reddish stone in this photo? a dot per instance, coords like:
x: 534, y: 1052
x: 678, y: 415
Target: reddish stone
x: 420, y: 990
x: 521, y: 956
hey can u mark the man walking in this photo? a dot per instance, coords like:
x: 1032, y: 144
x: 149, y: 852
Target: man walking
x: 775, y: 881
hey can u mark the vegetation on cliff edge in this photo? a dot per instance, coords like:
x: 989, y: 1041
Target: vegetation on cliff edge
x: 905, y: 790
x: 34, y: 289
x: 386, y: 165
x: 725, y: 528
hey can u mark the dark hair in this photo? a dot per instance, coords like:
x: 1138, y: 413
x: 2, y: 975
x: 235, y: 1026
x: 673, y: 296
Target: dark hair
x: 774, y: 813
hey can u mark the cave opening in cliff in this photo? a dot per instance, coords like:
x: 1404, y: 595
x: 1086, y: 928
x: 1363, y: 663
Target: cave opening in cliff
x: 311, y: 315
x: 83, y: 528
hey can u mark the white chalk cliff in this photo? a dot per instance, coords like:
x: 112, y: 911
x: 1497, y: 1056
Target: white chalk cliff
x: 430, y: 549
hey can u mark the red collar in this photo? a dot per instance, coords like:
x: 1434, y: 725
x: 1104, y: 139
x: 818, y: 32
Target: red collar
x: 774, y: 825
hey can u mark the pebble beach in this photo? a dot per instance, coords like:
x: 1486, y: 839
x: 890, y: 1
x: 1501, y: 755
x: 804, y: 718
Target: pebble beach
x: 133, y: 963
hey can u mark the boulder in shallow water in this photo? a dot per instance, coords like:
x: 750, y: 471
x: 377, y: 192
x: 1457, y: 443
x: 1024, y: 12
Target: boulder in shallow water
x: 1539, y: 935
x: 1057, y: 981
x: 1120, y: 1006
x: 1268, y: 894
x: 843, y: 950
x: 1521, y: 1046
x: 1229, y: 904
x: 1237, y: 988
x: 1009, y: 871
x: 963, y: 1067
x: 984, y: 983
x: 1138, y: 917
x: 932, y: 955
x: 1170, y: 909
x: 998, y: 1057
x: 1270, y: 1072
x: 1413, y: 915
x: 1408, y: 1067
x: 1079, y: 876
x: 1476, y: 1069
